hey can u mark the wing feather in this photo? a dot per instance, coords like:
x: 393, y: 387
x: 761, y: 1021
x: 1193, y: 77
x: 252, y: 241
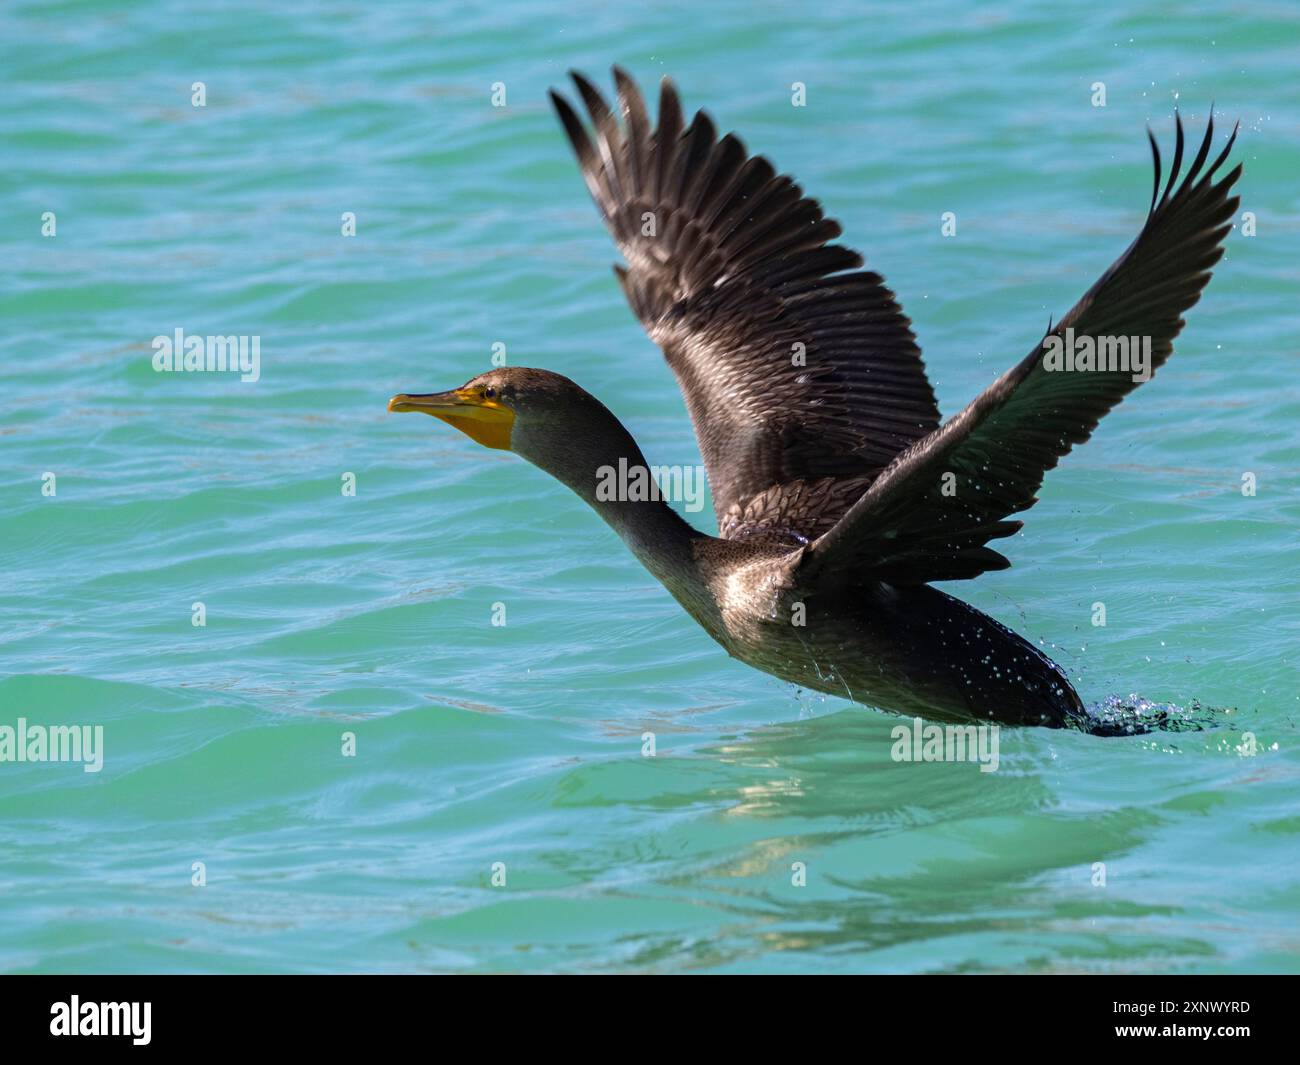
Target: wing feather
x: 928, y: 516
x: 800, y: 372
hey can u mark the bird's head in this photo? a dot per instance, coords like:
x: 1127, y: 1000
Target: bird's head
x: 541, y: 416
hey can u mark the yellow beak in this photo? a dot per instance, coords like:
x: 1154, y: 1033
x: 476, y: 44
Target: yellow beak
x: 483, y: 420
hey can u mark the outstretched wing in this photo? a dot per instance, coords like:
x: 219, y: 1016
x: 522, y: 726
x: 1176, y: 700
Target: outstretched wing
x: 930, y: 514
x: 800, y: 372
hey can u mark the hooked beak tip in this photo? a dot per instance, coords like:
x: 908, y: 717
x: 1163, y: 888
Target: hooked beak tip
x: 403, y: 402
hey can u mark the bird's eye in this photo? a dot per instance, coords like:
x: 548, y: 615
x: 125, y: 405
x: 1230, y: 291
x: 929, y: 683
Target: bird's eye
x: 489, y: 392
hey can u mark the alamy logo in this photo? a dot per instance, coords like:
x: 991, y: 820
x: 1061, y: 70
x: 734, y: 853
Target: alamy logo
x: 920, y: 742
x: 1103, y: 354
x: 639, y: 484
x: 102, y: 1018
x: 53, y: 743
x: 179, y: 353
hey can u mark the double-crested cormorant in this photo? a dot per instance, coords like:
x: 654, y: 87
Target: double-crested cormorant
x: 838, y: 493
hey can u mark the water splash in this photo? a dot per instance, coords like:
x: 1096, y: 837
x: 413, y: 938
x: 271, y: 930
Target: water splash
x: 1135, y: 715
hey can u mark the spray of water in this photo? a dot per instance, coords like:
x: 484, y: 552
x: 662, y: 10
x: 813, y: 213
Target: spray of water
x: 1135, y: 715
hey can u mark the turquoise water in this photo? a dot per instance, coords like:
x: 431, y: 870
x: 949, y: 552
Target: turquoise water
x: 521, y: 744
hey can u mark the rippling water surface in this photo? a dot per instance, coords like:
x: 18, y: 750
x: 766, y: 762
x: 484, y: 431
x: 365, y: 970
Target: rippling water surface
x: 371, y: 613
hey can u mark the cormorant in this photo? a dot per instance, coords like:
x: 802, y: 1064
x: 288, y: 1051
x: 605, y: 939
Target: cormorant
x: 839, y: 495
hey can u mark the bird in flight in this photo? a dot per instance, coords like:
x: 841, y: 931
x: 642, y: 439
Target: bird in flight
x: 839, y: 494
